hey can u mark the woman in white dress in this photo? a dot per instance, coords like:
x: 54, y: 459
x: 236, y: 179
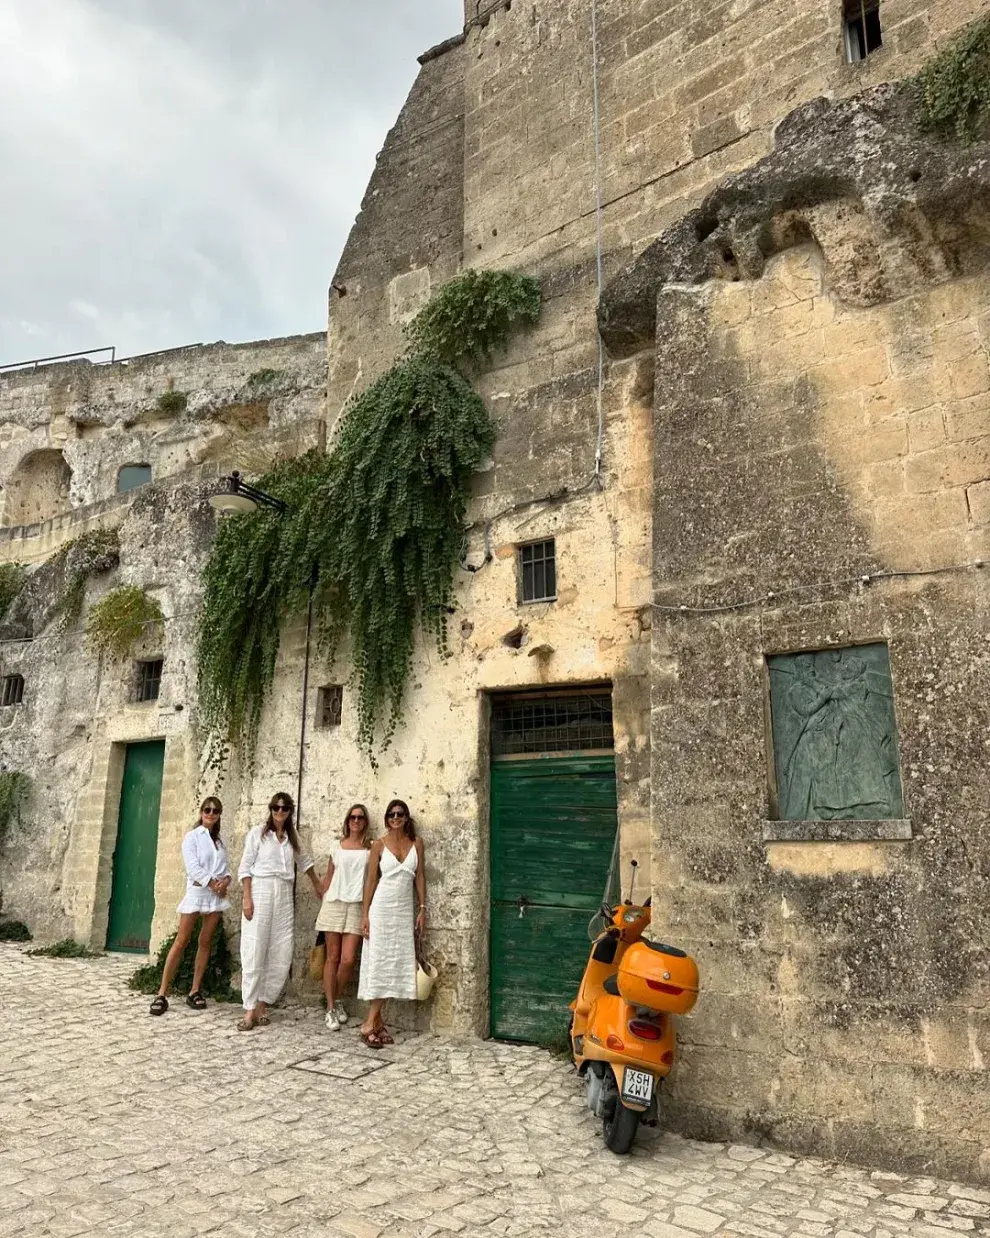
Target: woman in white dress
x: 207, y: 880
x: 390, y: 923
x: 340, y: 914
x: 267, y: 872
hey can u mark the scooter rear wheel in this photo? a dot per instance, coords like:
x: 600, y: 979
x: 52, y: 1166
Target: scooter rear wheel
x: 619, y: 1129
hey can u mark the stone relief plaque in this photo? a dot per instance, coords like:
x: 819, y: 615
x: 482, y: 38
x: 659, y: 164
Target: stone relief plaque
x: 834, y: 735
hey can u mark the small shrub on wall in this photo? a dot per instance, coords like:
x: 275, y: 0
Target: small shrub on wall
x: 120, y: 619
x: 955, y: 86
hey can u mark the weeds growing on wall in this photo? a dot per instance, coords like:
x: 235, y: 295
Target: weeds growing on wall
x: 66, y: 949
x: 219, y: 969
x: 473, y: 315
x: 263, y: 378
x: 173, y: 402
x: 15, y: 788
x: 14, y: 930
x: 12, y: 577
x: 120, y: 619
x: 955, y: 86
x: 91, y: 554
x: 377, y: 524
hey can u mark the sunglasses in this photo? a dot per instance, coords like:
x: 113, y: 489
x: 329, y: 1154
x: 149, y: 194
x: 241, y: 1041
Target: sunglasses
x: 357, y: 816
x: 280, y: 808
x: 211, y: 812
x: 396, y: 812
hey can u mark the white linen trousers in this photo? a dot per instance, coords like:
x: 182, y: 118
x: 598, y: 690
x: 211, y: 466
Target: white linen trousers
x: 266, y: 941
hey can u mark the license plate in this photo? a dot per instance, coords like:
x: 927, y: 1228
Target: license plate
x: 637, y: 1086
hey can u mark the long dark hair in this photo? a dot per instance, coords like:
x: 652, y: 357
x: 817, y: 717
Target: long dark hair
x: 290, y: 823
x: 211, y: 801
x: 347, y: 826
x: 410, y: 825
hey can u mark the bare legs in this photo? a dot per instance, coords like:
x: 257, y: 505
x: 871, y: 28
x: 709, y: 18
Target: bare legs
x: 342, y: 955
x: 187, y: 923
x: 373, y: 1021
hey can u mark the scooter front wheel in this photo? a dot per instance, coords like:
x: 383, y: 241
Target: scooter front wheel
x: 619, y: 1128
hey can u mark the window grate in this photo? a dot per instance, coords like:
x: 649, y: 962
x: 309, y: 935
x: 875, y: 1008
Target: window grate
x: 11, y: 690
x: 578, y: 722
x: 861, y: 24
x: 329, y: 706
x: 149, y: 679
x: 538, y: 562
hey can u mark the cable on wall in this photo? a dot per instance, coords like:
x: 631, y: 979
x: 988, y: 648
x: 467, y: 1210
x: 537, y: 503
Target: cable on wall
x: 598, y: 240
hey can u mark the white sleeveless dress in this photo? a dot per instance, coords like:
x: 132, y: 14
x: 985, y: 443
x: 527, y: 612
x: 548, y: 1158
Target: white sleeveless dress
x: 388, y: 958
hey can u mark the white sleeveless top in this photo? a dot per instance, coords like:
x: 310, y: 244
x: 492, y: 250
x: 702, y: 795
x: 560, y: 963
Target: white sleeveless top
x: 350, y: 868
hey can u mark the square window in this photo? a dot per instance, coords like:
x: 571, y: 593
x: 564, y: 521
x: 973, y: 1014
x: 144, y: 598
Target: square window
x: 329, y: 706
x: 538, y: 570
x: 861, y: 27
x: 834, y: 736
x: 11, y: 690
x: 149, y: 679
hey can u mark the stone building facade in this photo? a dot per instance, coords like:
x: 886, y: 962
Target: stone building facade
x: 771, y: 449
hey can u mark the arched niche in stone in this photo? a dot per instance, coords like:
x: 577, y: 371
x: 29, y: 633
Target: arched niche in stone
x: 37, y: 489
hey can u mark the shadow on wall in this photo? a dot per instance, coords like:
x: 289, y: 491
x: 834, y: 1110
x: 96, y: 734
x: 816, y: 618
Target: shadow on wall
x: 37, y: 489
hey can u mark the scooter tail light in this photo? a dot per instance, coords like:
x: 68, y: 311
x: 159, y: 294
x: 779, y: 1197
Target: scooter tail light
x: 615, y: 1043
x: 667, y: 1058
x: 660, y: 987
x: 644, y: 1029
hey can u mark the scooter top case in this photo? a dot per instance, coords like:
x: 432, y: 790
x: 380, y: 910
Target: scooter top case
x: 658, y: 977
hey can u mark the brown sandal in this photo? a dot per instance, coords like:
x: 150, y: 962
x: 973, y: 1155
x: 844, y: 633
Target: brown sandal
x: 247, y: 1025
x: 371, y: 1040
x: 384, y: 1036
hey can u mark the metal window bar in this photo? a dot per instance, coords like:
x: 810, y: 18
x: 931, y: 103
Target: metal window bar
x: 539, y: 571
x: 862, y: 29
x: 149, y: 680
x: 574, y: 723
x: 12, y: 691
x: 330, y: 706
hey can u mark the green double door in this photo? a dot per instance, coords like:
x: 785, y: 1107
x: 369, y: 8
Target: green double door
x: 553, y: 823
x: 132, y: 898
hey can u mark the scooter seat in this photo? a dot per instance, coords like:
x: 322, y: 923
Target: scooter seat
x: 663, y: 949
x: 611, y: 985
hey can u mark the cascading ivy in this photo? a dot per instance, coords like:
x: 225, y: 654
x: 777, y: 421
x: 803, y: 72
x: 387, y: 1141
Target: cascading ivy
x: 87, y: 555
x: 15, y: 787
x: 376, y: 525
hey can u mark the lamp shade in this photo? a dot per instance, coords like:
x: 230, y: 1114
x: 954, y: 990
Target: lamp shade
x: 232, y: 504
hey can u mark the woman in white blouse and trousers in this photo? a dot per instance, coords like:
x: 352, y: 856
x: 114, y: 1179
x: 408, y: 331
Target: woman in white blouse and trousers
x: 267, y: 872
x: 207, y: 879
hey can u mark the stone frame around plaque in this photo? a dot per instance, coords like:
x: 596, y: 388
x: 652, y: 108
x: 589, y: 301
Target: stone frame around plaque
x: 833, y: 754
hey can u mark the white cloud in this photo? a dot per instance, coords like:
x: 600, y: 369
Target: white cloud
x: 184, y: 171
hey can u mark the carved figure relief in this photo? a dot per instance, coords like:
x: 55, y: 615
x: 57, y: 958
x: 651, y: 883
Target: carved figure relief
x: 834, y: 735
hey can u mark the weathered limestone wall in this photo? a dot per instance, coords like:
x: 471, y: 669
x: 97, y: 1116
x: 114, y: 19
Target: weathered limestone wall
x: 101, y: 417
x: 79, y: 711
x: 822, y: 447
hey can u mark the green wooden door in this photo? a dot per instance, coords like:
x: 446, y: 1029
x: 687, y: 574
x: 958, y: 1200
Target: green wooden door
x: 132, y: 898
x: 553, y: 823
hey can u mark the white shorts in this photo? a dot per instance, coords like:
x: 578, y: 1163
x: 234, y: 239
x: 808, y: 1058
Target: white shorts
x: 338, y: 917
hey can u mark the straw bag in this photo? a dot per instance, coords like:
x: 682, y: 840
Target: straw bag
x: 317, y: 959
x: 426, y: 973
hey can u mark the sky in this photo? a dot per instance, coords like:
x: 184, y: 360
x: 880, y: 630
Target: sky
x: 183, y: 171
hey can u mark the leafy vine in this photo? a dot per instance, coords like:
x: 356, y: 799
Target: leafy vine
x: 120, y: 619
x: 15, y: 787
x: 90, y: 554
x: 954, y: 86
x: 12, y: 578
x: 375, y: 527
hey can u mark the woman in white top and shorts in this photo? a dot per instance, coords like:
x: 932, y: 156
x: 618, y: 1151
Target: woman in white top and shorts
x: 340, y: 914
x: 267, y: 872
x: 207, y: 880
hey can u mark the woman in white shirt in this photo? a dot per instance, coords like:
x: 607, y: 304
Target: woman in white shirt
x: 267, y: 872
x: 340, y: 913
x: 207, y: 880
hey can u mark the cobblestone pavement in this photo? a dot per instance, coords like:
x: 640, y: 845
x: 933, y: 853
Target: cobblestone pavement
x: 113, y: 1123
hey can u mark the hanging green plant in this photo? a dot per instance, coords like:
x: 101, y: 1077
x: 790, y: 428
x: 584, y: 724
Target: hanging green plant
x: 120, y: 619
x: 954, y: 86
x: 473, y: 314
x: 88, y: 555
x: 12, y: 578
x: 15, y: 788
x: 377, y: 524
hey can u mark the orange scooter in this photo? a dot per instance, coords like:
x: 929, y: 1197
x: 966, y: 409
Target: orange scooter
x: 622, y: 1029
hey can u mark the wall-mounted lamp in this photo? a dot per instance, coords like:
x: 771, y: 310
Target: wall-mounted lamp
x: 237, y: 498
